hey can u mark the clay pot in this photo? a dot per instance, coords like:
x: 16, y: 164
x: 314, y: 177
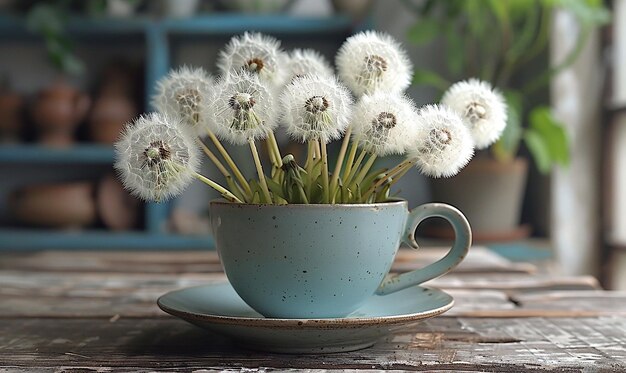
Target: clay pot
x: 11, y: 105
x: 57, y: 111
x: 117, y: 209
x: 67, y: 205
x: 108, y: 116
x: 356, y: 9
x: 490, y: 194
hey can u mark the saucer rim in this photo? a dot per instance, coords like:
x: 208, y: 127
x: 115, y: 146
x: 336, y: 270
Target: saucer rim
x: 302, y: 322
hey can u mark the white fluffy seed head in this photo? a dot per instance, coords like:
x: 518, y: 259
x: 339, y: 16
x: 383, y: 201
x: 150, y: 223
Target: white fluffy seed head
x: 255, y: 53
x: 443, y: 144
x: 242, y: 108
x: 184, y: 93
x: 371, y: 61
x: 384, y: 123
x: 316, y: 107
x: 155, y: 157
x: 303, y: 62
x: 482, y: 108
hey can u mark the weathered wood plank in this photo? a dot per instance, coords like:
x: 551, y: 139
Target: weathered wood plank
x: 580, y: 300
x: 492, y: 345
x: 514, y: 283
x: 479, y: 259
x: 101, y: 294
x: 105, y: 295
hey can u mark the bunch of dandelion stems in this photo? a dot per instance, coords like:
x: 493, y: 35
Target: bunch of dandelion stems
x: 349, y: 172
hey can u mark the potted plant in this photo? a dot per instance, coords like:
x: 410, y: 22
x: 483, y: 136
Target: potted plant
x: 502, y: 42
x: 304, y: 237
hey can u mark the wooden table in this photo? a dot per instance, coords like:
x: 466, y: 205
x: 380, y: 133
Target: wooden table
x: 76, y: 311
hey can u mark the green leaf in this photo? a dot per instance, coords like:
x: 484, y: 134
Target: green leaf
x: 274, y: 187
x: 430, y: 78
x: 552, y: 132
x: 506, y: 147
x: 455, y: 56
x: 587, y: 12
x: 477, y: 15
x: 45, y: 18
x: 424, y: 31
x: 501, y: 10
x: 538, y: 150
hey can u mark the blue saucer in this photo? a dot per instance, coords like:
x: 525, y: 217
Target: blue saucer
x: 217, y: 307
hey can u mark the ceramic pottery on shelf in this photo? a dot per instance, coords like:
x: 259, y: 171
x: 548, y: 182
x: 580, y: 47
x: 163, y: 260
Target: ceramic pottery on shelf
x: 57, y: 112
x: 322, y: 261
x: 11, y: 105
x: 67, y: 205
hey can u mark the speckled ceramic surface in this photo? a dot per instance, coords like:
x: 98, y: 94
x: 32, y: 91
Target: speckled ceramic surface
x: 217, y: 307
x: 321, y: 261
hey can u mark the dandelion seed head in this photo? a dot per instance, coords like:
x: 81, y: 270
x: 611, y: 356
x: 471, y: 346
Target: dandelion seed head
x: 383, y: 123
x: 302, y: 62
x: 443, y: 145
x: 254, y: 53
x: 316, y: 107
x: 373, y: 61
x: 242, y: 108
x: 482, y: 108
x: 155, y: 157
x: 183, y: 93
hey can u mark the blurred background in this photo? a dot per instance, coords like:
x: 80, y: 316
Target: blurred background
x: 552, y: 190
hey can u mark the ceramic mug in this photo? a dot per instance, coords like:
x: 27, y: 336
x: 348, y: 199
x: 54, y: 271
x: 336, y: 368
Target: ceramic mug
x: 321, y: 261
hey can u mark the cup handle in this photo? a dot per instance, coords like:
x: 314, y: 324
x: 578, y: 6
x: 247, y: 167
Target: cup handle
x: 462, y: 242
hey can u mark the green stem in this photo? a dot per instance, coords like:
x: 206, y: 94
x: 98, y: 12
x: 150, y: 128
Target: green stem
x: 541, y: 39
x: 544, y: 78
x: 229, y: 178
x: 350, y: 160
x: 325, y: 184
x: 242, y: 180
x: 274, y: 148
x: 223, y: 191
x: 364, y: 170
x: 355, y: 167
x: 334, y: 181
x: 308, y: 166
x: 272, y: 156
x: 389, y: 174
x: 259, y: 170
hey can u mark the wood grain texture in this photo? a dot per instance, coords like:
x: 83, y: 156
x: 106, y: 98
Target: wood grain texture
x: 479, y: 260
x: 76, y: 312
x: 493, y: 345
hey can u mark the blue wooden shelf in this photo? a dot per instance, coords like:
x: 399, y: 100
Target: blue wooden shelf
x: 77, y: 154
x: 158, y: 35
x: 210, y: 24
x: 237, y: 23
x: 33, y: 239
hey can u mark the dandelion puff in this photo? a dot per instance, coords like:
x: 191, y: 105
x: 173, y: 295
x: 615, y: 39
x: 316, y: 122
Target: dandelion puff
x: 383, y: 123
x: 370, y: 61
x: 155, y: 158
x: 316, y: 108
x: 303, y: 62
x: 242, y: 108
x: 443, y: 145
x: 255, y: 53
x: 183, y: 93
x: 482, y: 108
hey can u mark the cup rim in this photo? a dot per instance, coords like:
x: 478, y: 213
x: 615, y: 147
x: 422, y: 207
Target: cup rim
x: 223, y: 202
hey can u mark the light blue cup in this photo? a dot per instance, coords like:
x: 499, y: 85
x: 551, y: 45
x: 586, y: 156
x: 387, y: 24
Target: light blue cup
x: 321, y: 261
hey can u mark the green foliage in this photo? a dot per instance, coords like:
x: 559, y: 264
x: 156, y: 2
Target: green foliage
x: 546, y: 139
x: 505, y: 149
x: 495, y: 40
x: 49, y: 21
